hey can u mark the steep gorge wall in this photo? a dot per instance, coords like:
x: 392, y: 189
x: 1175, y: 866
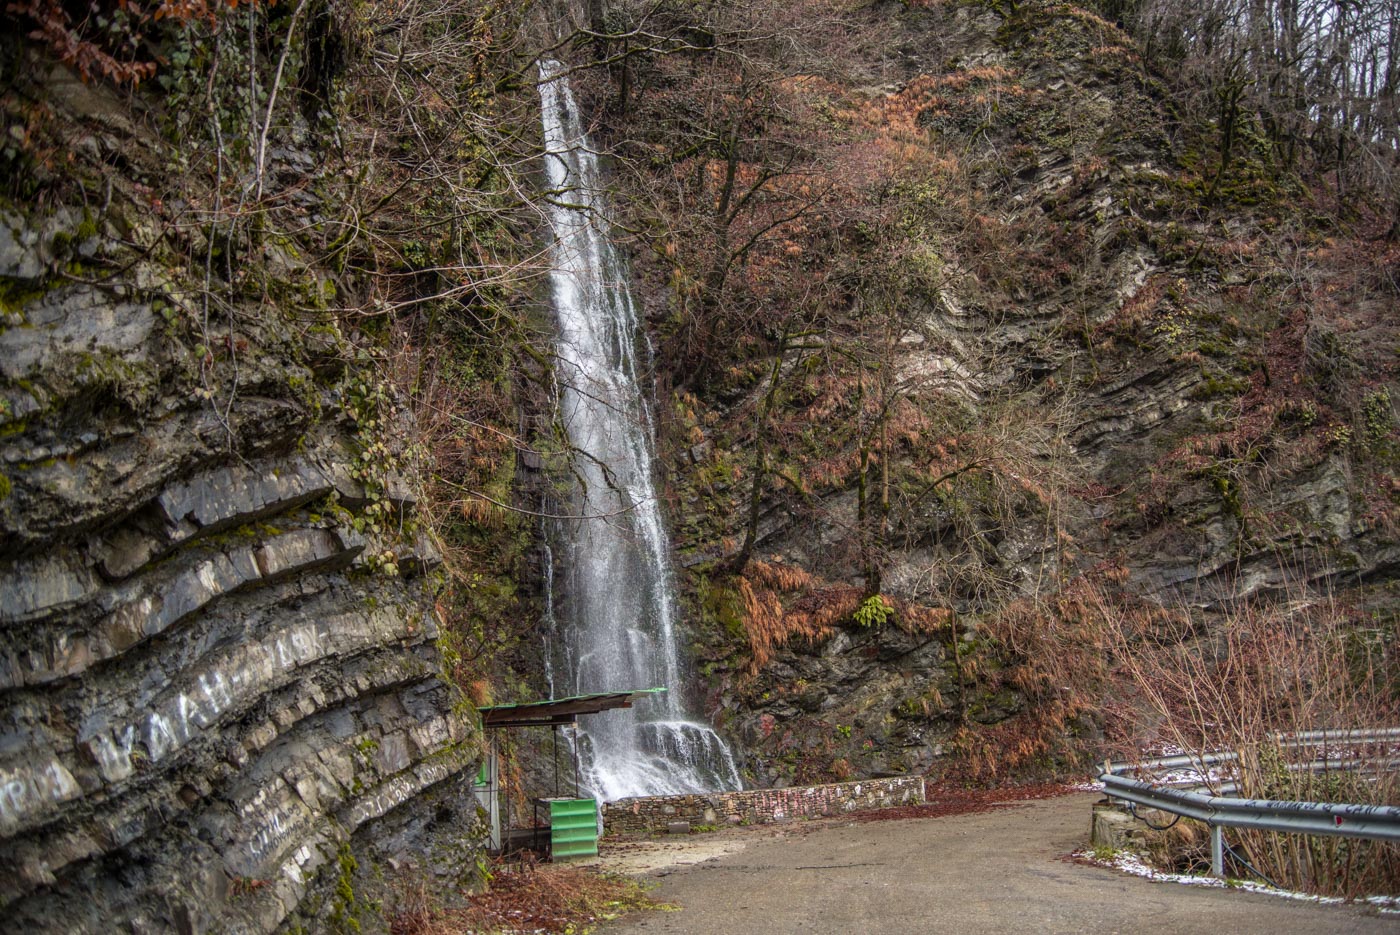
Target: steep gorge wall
x: 220, y: 702
x: 1114, y: 386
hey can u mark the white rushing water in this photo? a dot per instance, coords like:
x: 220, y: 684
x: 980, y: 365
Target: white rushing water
x: 616, y: 615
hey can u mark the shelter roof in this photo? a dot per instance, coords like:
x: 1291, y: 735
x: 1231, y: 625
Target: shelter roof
x: 559, y: 710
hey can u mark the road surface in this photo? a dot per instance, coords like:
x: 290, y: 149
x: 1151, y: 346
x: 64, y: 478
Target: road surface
x: 996, y: 872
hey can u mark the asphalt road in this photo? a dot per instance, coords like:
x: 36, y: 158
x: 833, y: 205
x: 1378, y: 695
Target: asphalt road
x: 995, y: 872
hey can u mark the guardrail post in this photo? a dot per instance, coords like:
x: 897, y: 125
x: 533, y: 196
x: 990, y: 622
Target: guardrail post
x: 1217, y: 852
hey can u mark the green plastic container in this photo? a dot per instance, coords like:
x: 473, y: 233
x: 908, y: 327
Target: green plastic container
x: 573, y: 828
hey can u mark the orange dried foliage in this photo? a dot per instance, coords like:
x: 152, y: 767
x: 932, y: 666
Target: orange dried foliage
x: 525, y: 896
x: 908, y: 422
x: 897, y: 114
x: 919, y: 619
x: 832, y: 472
x: 104, y: 43
x: 783, y: 603
x: 771, y: 624
x: 781, y: 577
x: 482, y: 512
x: 479, y: 691
x: 1060, y: 656
x: 1108, y: 32
x: 811, y: 86
x: 1138, y: 306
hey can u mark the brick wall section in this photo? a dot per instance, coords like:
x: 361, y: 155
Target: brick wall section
x: 760, y: 806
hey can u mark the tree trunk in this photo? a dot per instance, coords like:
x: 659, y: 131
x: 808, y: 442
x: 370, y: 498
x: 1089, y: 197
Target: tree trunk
x: 760, y: 459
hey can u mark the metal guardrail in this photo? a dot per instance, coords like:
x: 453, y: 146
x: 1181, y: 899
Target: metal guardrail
x: 1374, y: 822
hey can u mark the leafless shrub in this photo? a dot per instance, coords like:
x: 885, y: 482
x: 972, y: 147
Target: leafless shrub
x: 1307, y: 663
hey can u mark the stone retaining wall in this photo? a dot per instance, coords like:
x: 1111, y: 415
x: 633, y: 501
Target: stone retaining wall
x: 759, y: 806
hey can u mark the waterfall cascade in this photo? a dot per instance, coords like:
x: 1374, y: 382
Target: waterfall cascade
x: 616, y: 619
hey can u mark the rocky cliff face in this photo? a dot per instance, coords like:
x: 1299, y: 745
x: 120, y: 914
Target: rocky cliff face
x: 220, y: 703
x: 1112, y: 380
x: 1026, y: 355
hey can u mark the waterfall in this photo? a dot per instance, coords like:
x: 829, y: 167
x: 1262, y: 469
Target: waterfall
x: 617, y: 616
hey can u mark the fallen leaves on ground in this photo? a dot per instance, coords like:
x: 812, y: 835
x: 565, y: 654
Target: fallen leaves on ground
x: 533, y: 898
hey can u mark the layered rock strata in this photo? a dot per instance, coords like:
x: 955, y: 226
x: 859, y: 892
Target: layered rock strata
x: 1171, y: 416
x: 220, y: 702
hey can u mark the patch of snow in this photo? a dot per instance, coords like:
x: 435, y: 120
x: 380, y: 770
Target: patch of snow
x: 1388, y: 905
x: 1131, y: 863
x: 1191, y: 775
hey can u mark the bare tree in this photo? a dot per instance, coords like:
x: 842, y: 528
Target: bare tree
x: 1316, y: 79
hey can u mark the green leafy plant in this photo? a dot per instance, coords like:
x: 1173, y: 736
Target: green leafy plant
x: 1376, y: 417
x: 346, y: 907
x: 874, y: 611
